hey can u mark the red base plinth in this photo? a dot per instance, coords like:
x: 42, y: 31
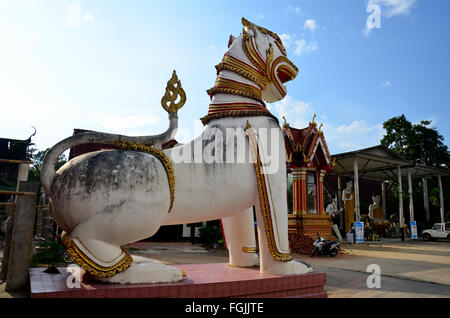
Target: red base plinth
x: 202, y: 281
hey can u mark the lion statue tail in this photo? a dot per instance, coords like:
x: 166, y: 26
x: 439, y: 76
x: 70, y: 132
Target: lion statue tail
x: 169, y: 102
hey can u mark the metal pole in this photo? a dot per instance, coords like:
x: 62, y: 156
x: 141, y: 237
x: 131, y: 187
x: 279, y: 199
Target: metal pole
x: 356, y: 177
x: 441, y: 199
x: 410, y: 195
x: 400, y: 202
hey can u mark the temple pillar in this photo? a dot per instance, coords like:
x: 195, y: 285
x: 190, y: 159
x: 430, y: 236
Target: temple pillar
x: 400, y: 202
x: 356, y: 186
x: 426, y: 204
x: 441, y: 199
x: 340, y: 203
x: 383, y: 198
x: 302, y: 197
x: 299, y: 186
x: 321, y: 207
x: 410, y: 195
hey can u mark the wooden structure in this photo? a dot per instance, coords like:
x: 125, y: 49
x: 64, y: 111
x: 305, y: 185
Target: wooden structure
x: 308, y: 160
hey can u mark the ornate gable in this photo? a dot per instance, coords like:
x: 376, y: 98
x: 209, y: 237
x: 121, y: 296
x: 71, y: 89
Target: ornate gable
x: 307, y: 147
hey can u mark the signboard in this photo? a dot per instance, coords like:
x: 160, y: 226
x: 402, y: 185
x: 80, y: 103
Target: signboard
x: 413, y: 230
x: 359, y: 232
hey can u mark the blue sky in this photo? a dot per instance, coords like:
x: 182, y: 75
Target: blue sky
x: 104, y: 64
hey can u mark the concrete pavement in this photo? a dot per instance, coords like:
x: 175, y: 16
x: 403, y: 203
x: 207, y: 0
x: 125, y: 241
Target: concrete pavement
x: 408, y: 269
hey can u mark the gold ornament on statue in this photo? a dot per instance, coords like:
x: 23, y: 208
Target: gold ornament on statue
x: 173, y: 92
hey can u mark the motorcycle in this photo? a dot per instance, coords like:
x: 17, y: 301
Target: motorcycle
x: 324, y: 247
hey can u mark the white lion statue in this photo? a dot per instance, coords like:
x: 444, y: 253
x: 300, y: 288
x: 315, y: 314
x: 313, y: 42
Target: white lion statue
x: 106, y: 199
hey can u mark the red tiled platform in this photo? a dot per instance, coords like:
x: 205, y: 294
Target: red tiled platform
x: 203, y: 281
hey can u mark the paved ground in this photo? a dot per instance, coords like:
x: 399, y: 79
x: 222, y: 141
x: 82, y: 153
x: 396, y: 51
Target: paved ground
x: 408, y: 269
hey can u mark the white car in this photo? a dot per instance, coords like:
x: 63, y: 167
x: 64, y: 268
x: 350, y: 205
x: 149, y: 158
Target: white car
x: 439, y: 231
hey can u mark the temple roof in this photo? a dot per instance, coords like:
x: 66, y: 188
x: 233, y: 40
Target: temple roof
x: 306, y: 147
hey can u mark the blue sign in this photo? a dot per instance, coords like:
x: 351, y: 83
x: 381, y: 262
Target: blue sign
x: 359, y: 232
x: 413, y: 230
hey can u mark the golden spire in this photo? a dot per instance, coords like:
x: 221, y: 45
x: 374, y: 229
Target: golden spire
x: 320, y: 128
x: 173, y: 91
x: 314, y: 117
x: 285, y: 125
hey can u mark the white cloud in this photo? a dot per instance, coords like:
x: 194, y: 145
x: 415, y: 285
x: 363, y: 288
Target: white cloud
x: 89, y: 17
x: 291, y: 108
x: 357, y: 135
x: 302, y: 46
x: 294, y: 9
x: 261, y: 16
x: 386, y: 84
x: 123, y: 124
x: 387, y: 9
x: 311, y: 25
x: 340, y: 138
x: 286, y: 39
x: 74, y: 18
x: 395, y: 7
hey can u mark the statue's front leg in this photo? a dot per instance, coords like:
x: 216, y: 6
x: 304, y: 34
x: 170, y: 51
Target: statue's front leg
x: 240, y: 239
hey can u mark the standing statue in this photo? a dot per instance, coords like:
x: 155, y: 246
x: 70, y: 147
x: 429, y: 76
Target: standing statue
x: 376, y: 210
x: 106, y: 199
x: 333, y: 211
x: 348, y: 196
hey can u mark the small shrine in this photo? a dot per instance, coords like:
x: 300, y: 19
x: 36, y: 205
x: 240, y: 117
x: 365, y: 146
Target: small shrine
x: 307, y: 161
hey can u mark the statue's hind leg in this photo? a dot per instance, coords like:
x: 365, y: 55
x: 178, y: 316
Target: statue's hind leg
x: 240, y: 239
x: 96, y: 245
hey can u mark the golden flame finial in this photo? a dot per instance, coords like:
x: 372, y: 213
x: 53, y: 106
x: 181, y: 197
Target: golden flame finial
x: 173, y: 91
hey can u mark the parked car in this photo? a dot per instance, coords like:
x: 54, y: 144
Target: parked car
x: 439, y: 231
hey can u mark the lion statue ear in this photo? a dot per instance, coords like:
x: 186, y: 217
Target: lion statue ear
x: 231, y: 40
x: 248, y: 27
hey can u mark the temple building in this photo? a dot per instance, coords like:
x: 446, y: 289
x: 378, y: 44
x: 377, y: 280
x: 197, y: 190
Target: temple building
x: 308, y: 160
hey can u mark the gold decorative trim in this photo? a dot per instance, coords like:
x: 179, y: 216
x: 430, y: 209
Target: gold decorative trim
x: 173, y: 91
x: 251, y: 52
x: 276, y: 62
x: 126, y: 145
x: 237, y: 113
x: 241, y: 68
x: 96, y: 257
x: 264, y: 200
x: 229, y: 83
x: 250, y: 250
x: 233, y: 91
x: 90, y: 266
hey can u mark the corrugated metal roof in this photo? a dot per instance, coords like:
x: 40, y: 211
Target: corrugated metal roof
x: 380, y: 163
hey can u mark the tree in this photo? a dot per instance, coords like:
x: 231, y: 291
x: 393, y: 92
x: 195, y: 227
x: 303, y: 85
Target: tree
x: 423, y: 144
x: 416, y: 142
x: 38, y: 158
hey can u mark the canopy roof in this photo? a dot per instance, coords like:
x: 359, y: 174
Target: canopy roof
x: 380, y: 163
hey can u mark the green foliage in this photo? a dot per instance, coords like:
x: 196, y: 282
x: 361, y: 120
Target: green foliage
x: 423, y: 144
x: 38, y: 159
x: 47, y: 253
x: 416, y: 142
x: 210, y: 235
